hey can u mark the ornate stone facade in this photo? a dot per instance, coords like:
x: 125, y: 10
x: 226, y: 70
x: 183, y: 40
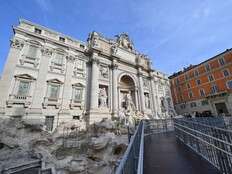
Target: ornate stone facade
x: 50, y: 75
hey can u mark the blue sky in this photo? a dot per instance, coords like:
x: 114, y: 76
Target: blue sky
x: 174, y: 33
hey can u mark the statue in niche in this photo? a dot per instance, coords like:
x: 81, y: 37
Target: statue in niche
x: 147, y: 102
x: 129, y: 102
x: 102, y: 98
x: 162, y: 102
x: 104, y: 72
x: 124, y: 41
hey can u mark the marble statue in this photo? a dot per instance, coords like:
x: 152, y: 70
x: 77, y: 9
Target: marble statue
x: 102, y: 97
x: 124, y: 41
x: 104, y: 72
x: 129, y: 102
x: 147, y: 102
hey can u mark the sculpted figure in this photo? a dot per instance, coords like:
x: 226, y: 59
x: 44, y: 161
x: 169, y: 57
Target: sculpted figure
x: 102, y: 97
x: 129, y: 102
x: 124, y: 41
x: 104, y: 72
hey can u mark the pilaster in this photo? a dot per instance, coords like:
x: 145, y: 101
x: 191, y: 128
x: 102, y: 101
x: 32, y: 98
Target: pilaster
x: 41, y: 84
x: 94, y: 83
x: 9, y: 70
x: 114, y: 88
x: 142, y: 100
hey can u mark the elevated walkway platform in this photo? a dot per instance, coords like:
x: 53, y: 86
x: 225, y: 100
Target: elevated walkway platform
x: 164, y: 154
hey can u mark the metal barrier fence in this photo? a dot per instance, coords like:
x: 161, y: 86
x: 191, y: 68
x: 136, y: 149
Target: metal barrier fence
x: 132, y: 161
x: 32, y: 167
x: 158, y: 126
x: 211, y: 142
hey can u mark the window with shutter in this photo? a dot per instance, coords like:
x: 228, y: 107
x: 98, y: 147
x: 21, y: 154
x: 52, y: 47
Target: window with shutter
x: 32, y: 52
x: 77, y: 94
x: 23, y: 88
x: 58, y: 59
x: 53, y: 91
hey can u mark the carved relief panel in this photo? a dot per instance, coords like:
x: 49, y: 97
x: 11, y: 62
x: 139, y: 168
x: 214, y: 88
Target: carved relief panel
x: 79, y: 68
x: 104, y: 72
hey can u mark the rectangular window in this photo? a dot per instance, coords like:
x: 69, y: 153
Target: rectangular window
x: 204, y: 102
x: 196, y: 72
x: 214, y: 89
x: 76, y: 117
x: 221, y: 61
x: 37, y: 31
x: 58, y: 59
x: 198, y: 81
x: 182, y: 106
x: 79, y: 64
x: 77, y: 94
x: 207, y: 67
x: 229, y: 84
x: 186, y: 76
x: 202, y: 92
x: 226, y: 73
x: 23, y: 88
x: 53, y: 91
x: 49, y: 120
x: 210, y: 77
x: 177, y: 81
x: 62, y: 39
x: 32, y: 52
x: 190, y: 94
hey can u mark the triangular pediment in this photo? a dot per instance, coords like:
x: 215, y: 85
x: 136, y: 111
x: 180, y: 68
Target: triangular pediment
x: 25, y: 76
x: 78, y: 85
x: 55, y: 81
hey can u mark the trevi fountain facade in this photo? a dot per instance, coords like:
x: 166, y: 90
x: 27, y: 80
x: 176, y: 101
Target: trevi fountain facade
x: 54, y: 78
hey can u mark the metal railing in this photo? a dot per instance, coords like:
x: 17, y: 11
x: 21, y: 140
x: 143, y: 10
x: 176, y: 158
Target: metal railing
x: 211, y: 142
x: 158, y: 126
x: 132, y: 161
x: 34, y: 167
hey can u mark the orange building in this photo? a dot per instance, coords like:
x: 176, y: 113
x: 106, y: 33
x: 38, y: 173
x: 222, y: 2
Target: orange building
x: 204, y: 88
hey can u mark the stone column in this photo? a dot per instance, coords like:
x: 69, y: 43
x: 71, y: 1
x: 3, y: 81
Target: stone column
x: 136, y: 99
x: 157, y: 102
x: 94, y: 84
x: 114, y: 89
x: 8, y: 72
x: 67, y: 90
x: 64, y: 112
x: 153, y: 96
x: 141, y: 90
x: 41, y: 84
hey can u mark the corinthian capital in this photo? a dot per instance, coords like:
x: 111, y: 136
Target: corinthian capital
x: 70, y: 58
x: 94, y: 60
x: 17, y: 44
x: 46, y: 52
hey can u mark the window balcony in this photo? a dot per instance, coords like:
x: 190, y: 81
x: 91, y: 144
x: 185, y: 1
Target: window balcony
x: 57, y: 66
x: 76, y: 103
x: 48, y: 101
x: 29, y: 60
x: 19, y: 99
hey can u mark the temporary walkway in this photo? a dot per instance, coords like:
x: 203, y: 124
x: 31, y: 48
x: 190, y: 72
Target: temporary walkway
x: 164, y: 154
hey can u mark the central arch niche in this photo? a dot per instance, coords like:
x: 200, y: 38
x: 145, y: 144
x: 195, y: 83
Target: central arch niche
x: 126, y: 86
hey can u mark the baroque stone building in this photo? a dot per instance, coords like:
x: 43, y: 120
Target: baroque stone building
x: 55, y: 78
